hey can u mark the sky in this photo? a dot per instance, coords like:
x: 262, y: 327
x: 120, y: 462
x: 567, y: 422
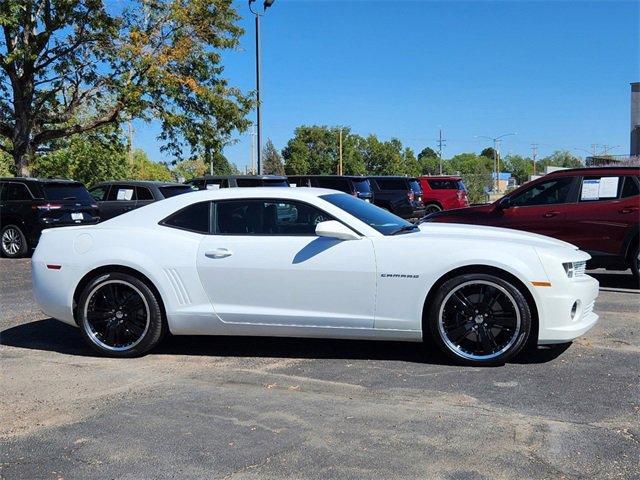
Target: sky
x: 557, y: 73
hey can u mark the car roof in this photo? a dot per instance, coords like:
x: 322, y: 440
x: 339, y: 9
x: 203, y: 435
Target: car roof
x: 248, y: 177
x: 595, y: 171
x: 158, y: 210
x: 441, y: 177
x: 141, y: 183
x: 357, y: 177
x: 38, y: 180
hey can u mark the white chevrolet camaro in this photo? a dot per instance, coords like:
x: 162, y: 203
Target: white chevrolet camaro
x: 307, y: 262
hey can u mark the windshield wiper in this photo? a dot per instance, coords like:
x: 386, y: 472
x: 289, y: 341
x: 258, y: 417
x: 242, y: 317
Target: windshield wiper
x: 406, y: 228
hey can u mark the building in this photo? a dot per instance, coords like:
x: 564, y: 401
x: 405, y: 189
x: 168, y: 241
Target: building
x: 634, y: 150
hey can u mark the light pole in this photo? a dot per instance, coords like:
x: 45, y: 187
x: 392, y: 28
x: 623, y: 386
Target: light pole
x: 266, y: 4
x: 496, y: 155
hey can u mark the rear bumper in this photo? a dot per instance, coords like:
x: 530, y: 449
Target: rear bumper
x: 51, y: 290
x: 557, y: 324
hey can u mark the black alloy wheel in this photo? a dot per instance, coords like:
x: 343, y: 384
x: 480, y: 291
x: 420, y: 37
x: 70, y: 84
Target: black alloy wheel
x: 120, y: 315
x: 480, y: 319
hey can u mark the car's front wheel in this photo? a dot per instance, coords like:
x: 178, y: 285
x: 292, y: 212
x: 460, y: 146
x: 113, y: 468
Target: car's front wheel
x: 119, y: 315
x: 13, y: 242
x: 480, y: 319
x: 432, y: 208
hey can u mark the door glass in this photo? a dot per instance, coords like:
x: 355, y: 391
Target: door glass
x: 550, y: 192
x: 99, y: 193
x: 121, y: 193
x: 143, y: 193
x: 267, y: 217
x: 630, y: 188
x: 600, y: 188
x: 392, y: 184
x: 15, y: 191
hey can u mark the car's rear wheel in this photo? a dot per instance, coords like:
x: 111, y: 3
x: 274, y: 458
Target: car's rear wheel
x: 432, y: 208
x: 635, y: 263
x: 480, y: 319
x: 119, y: 315
x: 13, y: 243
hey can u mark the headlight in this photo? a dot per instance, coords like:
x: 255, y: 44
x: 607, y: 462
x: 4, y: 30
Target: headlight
x: 575, y: 269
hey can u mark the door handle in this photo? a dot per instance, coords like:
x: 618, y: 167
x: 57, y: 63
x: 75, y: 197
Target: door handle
x: 218, y: 253
x: 628, y: 209
x: 550, y: 214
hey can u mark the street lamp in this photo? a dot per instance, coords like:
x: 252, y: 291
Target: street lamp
x: 266, y: 4
x: 496, y: 155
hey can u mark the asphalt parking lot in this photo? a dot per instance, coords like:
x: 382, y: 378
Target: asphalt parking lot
x: 284, y: 408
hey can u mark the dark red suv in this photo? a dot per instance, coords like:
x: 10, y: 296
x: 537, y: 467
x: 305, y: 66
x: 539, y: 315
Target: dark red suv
x: 596, y: 209
x: 443, y: 193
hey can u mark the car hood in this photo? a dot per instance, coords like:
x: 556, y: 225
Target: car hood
x: 494, y: 234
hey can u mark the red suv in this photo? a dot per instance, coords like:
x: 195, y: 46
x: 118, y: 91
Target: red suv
x: 443, y: 193
x: 596, y: 209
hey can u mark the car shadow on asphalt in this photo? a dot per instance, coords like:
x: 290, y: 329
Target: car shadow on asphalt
x: 52, y: 335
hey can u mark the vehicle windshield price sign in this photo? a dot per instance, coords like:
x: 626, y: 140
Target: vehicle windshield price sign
x: 608, y: 187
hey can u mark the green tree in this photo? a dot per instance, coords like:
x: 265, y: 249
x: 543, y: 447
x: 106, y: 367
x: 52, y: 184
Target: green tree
x: 427, y: 152
x: 6, y: 163
x: 429, y: 161
x: 560, y: 158
x: 272, y: 160
x: 520, y: 167
x: 188, y: 169
x: 143, y: 168
x: 151, y: 58
x: 90, y: 157
x: 489, y: 152
x: 476, y: 172
x: 315, y: 150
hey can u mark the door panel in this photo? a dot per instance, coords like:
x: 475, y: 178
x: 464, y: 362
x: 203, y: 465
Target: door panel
x: 267, y: 268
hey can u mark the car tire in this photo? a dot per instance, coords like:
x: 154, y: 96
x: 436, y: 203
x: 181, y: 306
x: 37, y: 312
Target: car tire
x: 13, y: 243
x: 634, y: 264
x: 479, y: 319
x: 432, y: 208
x: 120, y: 315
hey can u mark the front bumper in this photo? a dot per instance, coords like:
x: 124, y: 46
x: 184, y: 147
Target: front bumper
x: 557, y: 324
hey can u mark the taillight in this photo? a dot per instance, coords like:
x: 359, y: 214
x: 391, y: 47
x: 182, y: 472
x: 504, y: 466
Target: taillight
x: 48, y: 207
x: 410, y: 195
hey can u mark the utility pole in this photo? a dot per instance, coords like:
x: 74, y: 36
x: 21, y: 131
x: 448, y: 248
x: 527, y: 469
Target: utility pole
x: 340, y: 154
x: 253, y: 150
x: 130, y: 142
x: 441, y: 143
x: 534, y: 154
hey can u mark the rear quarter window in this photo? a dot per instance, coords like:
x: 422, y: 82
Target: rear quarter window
x: 446, y: 184
x: 194, y: 218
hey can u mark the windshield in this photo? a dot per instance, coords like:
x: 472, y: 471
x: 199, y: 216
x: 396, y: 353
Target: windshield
x: 361, y: 185
x: 172, y: 191
x: 383, y: 221
x: 66, y: 191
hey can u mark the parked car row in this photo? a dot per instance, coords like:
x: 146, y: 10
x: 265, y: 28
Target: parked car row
x: 596, y: 209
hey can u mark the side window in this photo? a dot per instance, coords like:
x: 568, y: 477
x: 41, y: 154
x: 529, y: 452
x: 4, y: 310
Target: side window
x: 121, y: 193
x: 596, y: 188
x: 337, y: 183
x: 195, y: 218
x: 143, y: 193
x: 247, y: 182
x: 393, y: 184
x: 214, y: 184
x: 267, y: 217
x: 16, y: 192
x: 630, y: 187
x: 99, y: 193
x: 545, y: 193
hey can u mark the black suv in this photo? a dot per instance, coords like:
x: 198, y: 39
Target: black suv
x: 117, y: 197
x: 353, y: 185
x: 29, y: 205
x: 397, y: 195
x: 211, y: 182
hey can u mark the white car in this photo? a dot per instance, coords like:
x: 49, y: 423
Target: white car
x: 308, y: 262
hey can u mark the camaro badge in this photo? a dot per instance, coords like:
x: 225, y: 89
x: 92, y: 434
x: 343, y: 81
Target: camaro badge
x: 398, y: 275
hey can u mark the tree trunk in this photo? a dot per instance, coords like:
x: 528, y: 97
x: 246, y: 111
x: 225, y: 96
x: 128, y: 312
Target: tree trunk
x: 23, y: 155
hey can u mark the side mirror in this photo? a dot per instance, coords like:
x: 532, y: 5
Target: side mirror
x: 504, y: 203
x: 335, y: 229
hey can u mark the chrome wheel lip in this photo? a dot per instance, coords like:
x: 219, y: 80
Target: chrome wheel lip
x: 11, y: 241
x: 455, y: 348
x: 93, y: 336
